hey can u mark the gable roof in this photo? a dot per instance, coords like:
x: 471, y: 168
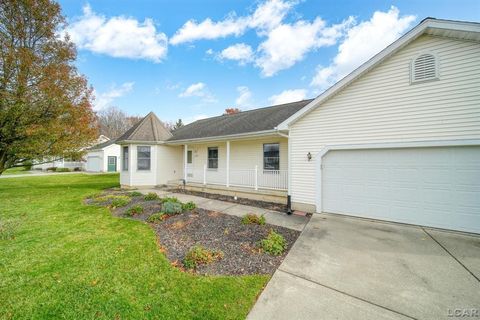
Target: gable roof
x: 102, y: 145
x: 437, y: 27
x: 251, y: 121
x: 149, y: 129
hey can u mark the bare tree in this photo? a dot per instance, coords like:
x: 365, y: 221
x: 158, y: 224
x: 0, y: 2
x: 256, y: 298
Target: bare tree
x: 113, y: 122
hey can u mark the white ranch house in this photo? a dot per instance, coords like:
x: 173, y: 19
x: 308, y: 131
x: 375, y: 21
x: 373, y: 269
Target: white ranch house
x: 398, y: 139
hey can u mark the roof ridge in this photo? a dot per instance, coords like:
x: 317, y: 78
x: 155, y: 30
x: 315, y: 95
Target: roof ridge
x: 251, y: 110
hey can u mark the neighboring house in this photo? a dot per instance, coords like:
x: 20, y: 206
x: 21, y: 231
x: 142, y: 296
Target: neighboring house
x: 103, y: 157
x: 398, y: 139
x: 60, y: 162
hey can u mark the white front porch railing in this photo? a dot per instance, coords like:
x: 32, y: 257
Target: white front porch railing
x: 250, y: 178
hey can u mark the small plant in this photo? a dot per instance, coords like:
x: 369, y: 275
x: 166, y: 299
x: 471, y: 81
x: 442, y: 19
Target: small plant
x: 274, y: 244
x: 151, y: 196
x: 253, y: 219
x: 51, y: 169
x: 190, y: 205
x: 135, y: 194
x: 134, y: 210
x: 169, y: 199
x: 198, y: 255
x: 8, y: 229
x: 156, y: 217
x: 172, y: 208
x: 62, y: 170
x: 119, y: 201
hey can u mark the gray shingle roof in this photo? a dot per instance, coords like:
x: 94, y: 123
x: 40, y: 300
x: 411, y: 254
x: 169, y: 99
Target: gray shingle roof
x: 244, y: 122
x: 149, y: 129
x: 102, y: 145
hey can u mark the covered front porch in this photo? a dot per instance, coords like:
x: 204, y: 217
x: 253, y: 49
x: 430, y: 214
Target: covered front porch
x: 259, y: 164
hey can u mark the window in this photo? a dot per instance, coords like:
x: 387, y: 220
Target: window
x: 189, y: 156
x: 424, y: 68
x: 143, y: 158
x: 213, y: 158
x: 125, y: 158
x: 271, y: 156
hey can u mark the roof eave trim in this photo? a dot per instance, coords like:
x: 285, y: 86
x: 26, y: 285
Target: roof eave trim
x: 225, y: 137
x: 124, y: 142
x: 379, y: 57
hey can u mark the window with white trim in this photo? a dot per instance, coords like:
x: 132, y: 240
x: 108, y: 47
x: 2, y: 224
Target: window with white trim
x: 189, y: 156
x: 424, y: 68
x: 125, y: 159
x: 271, y: 156
x: 213, y: 158
x: 143, y: 158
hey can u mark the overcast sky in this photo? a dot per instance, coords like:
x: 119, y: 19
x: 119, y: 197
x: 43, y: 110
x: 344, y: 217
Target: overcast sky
x: 193, y: 59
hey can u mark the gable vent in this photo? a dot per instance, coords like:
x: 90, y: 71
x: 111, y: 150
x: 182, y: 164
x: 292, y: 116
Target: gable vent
x: 424, y: 68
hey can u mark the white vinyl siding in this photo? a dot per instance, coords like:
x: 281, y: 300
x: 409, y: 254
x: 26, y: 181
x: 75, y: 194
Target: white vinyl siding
x: 383, y: 106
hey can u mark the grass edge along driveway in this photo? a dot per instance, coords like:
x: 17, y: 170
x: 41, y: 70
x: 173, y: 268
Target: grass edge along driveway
x: 73, y: 261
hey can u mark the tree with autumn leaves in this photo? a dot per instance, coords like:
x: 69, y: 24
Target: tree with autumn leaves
x: 45, y: 104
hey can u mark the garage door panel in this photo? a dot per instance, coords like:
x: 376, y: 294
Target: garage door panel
x: 437, y: 186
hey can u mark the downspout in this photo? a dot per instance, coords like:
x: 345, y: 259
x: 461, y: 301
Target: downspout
x: 289, y: 197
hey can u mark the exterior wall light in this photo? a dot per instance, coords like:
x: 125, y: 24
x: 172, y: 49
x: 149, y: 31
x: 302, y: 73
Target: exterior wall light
x: 309, y: 156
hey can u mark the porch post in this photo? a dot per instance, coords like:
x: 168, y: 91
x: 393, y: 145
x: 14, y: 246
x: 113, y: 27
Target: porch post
x: 228, y: 164
x: 256, y: 177
x: 185, y: 155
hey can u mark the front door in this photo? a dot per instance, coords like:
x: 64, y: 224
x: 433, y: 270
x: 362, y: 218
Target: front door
x: 112, y: 164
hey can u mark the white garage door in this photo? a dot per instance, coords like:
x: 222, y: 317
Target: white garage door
x: 94, y: 164
x: 438, y: 187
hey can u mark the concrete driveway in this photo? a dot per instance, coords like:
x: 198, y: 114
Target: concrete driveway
x: 350, y: 268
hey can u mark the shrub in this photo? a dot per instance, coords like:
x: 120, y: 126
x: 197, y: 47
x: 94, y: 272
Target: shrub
x: 51, y: 169
x: 119, y: 201
x: 198, y: 255
x: 172, y: 208
x: 274, y: 244
x: 62, y: 170
x: 134, y: 210
x: 151, y: 196
x: 169, y: 199
x: 27, y: 165
x: 253, y: 219
x: 156, y: 217
x: 8, y: 229
x: 135, y: 194
x: 189, y: 206
x: 77, y: 169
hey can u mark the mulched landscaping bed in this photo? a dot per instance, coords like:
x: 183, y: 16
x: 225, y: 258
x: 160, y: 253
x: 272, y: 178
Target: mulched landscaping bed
x: 177, y: 234
x: 249, y: 202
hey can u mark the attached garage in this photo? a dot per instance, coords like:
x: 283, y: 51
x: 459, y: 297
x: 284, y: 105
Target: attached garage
x: 94, y: 163
x: 398, y: 139
x: 103, y: 157
x: 430, y: 186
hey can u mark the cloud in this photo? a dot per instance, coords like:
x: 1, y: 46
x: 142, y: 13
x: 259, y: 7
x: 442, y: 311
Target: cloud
x: 288, y: 44
x: 120, y: 36
x: 362, y: 42
x: 288, y: 96
x: 266, y: 16
x: 244, y: 96
x: 239, y: 52
x: 105, y: 99
x: 198, y: 89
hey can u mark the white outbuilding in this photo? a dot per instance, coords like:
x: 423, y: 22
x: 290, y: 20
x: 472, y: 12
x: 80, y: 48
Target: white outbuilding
x: 103, y: 157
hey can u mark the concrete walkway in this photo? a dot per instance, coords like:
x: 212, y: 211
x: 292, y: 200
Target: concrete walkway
x: 351, y: 268
x: 295, y: 222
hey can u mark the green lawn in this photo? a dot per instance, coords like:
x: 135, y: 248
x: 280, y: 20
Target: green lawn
x: 73, y: 261
x: 16, y: 170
